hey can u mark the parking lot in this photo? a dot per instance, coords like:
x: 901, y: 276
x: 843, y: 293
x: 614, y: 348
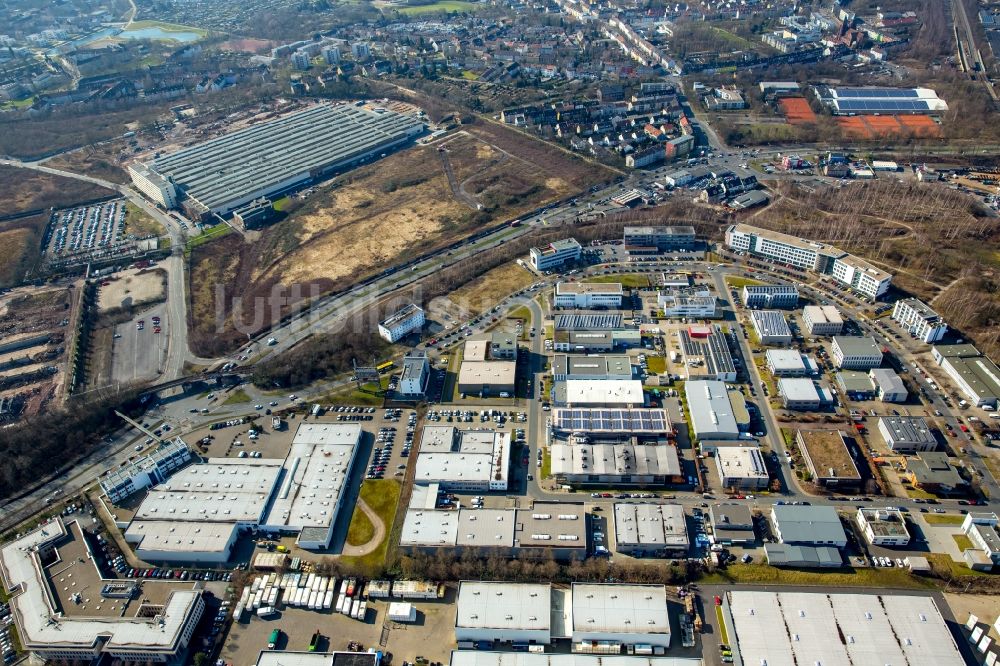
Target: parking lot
x: 140, y: 345
x: 91, y: 232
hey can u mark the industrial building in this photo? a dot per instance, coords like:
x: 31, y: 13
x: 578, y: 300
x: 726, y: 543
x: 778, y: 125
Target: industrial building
x: 555, y: 254
x: 290, y: 658
x: 711, y: 411
x: 982, y: 530
x: 828, y: 458
x: 802, y: 557
x: 741, y: 467
x: 771, y: 327
x: 919, y: 320
x: 855, y: 384
x: 822, y: 320
x: 906, y: 434
x: 571, y: 367
x: 803, y: 393
x: 576, y: 461
x: 416, y: 373
x: 779, y: 628
x: 272, y: 157
x: 487, y: 658
x: 401, y: 323
x: 790, y: 363
x: 977, y: 376
x: 808, y: 525
x: 612, y: 425
x: 732, y: 525
x: 505, y: 613
x: 934, y: 472
x: 196, y: 514
x: 652, y: 240
x: 485, y: 378
x: 121, y: 483
x: 588, y: 321
x: 855, y: 101
x: 596, y: 341
x: 856, y: 352
x: 588, y: 295
x: 808, y: 255
x: 770, y: 296
x: 706, y: 356
x: 598, y: 393
x: 883, y: 527
x: 69, y: 621
x: 469, y: 460
x: 547, y: 529
x: 608, y: 614
x: 889, y: 386
x: 651, y: 530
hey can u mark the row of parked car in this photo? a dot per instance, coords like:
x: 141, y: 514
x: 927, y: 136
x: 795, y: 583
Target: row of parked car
x: 177, y: 574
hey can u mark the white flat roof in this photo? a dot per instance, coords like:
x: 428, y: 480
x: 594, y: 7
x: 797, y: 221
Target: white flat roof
x: 603, y: 391
x: 620, y: 609
x: 180, y: 537
x: 484, y: 605
x: 481, y: 658
x: 429, y: 528
x: 650, y: 525
x: 451, y: 455
x: 41, y: 626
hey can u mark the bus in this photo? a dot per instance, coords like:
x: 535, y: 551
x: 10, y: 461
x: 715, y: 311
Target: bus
x: 385, y: 367
x: 272, y: 640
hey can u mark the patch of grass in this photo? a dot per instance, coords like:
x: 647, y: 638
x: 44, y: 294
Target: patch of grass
x: 657, y: 364
x: 139, y: 222
x: 382, y: 495
x: 167, y: 27
x: 237, y: 397
x: 361, y: 530
x: 917, y: 493
x: 963, y: 542
x: 368, y: 395
x: 210, y: 234
x: 470, y: 76
x: 943, y: 519
x: 629, y: 280
x: 546, y: 470
x: 946, y: 567
x: 522, y: 312
x: 740, y: 282
x: 763, y: 574
x: 281, y: 204
x: 485, y: 291
x: 442, y: 6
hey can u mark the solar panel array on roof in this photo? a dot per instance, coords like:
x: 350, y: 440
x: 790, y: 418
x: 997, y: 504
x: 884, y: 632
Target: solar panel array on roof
x: 874, y: 92
x: 882, y: 105
x: 611, y: 420
x: 579, y: 322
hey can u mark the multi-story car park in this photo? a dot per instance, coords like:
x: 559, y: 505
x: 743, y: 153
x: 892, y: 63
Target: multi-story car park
x: 906, y: 434
x: 919, y: 320
x: 856, y: 352
x: 401, y: 323
x: 771, y: 327
x: 273, y: 157
x: 555, y: 254
x: 809, y: 255
x: 650, y: 240
x: 57, y: 623
x: 883, y: 527
x: 770, y: 296
x: 975, y: 375
x: 822, y: 320
x: 588, y: 295
x: 655, y: 530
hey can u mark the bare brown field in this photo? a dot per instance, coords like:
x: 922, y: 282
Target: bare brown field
x: 482, y: 293
x: 14, y: 244
x: 24, y: 190
x: 132, y: 288
x: 99, y: 162
x: 373, y: 217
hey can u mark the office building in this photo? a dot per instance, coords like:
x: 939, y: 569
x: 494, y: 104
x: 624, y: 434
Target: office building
x: 651, y: 530
x: 650, y: 240
x: 906, y: 434
x: 401, y: 323
x: 934, y: 472
x: 469, y: 460
x: 889, y: 387
x: 802, y: 557
x: 503, y: 346
x: 741, y: 467
x: 712, y: 415
x: 272, y: 157
x: 598, y: 393
x: 680, y: 305
x: 776, y: 628
x: 803, y: 393
x: 707, y: 357
x: 828, y: 458
x: 808, y: 255
x: 770, y: 296
x: 790, y: 363
x: 982, y: 530
x: 732, y: 525
x: 822, y: 320
x: 555, y: 254
x: 808, y: 525
x: 503, y: 612
x: 485, y: 378
x: 615, y: 613
x: 62, y: 616
x: 416, y: 374
x: 577, y: 461
x: 855, y: 384
x: 919, y: 320
x: 771, y: 327
x: 136, y: 475
x: 572, y: 367
x: 588, y: 295
x: 595, y: 341
x: 856, y: 352
x: 976, y: 376
x: 883, y: 527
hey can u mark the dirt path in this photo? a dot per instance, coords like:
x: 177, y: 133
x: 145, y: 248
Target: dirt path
x: 373, y: 543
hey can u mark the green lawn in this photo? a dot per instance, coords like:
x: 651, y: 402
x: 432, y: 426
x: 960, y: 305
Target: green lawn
x: 740, y: 282
x: 943, y: 565
x: 210, y: 234
x: 657, y: 364
x: 627, y: 280
x: 546, y: 470
x: 522, y: 312
x: 361, y: 530
x: 943, y: 519
x: 917, y: 493
x: 963, y: 542
x: 382, y: 495
x: 762, y: 574
x: 368, y: 395
x: 167, y: 27
x: 237, y: 397
x: 442, y: 6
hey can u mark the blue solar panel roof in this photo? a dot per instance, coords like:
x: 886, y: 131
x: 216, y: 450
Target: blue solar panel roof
x: 875, y: 93
x: 882, y: 105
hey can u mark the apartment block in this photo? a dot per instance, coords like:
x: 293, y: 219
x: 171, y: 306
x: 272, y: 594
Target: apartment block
x: 919, y: 319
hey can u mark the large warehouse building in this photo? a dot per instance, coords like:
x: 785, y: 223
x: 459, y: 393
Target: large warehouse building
x: 785, y: 628
x: 851, y: 101
x: 470, y: 460
x: 272, y: 157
